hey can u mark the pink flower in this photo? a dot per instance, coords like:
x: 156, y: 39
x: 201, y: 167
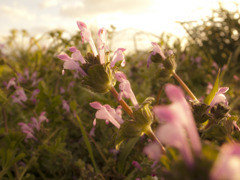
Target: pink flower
x: 179, y: 124
x: 125, y: 88
x: 71, y: 62
x: 28, y: 129
x: 86, y: 36
x: 12, y: 83
x: 65, y: 105
x: 227, y: 164
x: 156, y: 49
x: 34, y: 94
x: 19, y: 96
x: 219, y: 97
x: 107, y: 113
x: 235, y: 77
x: 36, y: 123
x: 101, y: 41
x: 118, y: 56
x: 153, y: 151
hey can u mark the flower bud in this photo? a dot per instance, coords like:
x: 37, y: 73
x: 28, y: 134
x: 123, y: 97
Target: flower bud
x: 170, y: 63
x: 99, y: 77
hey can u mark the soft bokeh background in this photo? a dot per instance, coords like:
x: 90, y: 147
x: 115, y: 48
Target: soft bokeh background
x: 129, y: 17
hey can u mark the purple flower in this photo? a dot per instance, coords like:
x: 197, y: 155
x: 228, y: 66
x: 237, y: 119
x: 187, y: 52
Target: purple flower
x: 86, y: 36
x: 118, y: 56
x: 71, y: 62
x: 101, y: 41
x: 125, y: 88
x: 34, y: 94
x: 65, y: 105
x: 227, y: 164
x: 12, y: 83
x: 137, y: 165
x: 19, y: 96
x: 219, y: 97
x: 28, y: 129
x: 36, y: 123
x: 153, y: 151
x: 179, y: 127
x: 156, y: 49
x: 106, y: 112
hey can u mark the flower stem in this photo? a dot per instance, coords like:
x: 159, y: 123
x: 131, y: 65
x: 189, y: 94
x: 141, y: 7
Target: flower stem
x: 152, y: 136
x: 5, y: 120
x: 124, y: 105
x: 185, y: 87
x: 159, y: 94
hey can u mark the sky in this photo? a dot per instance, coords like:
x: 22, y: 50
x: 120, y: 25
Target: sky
x: 128, y: 16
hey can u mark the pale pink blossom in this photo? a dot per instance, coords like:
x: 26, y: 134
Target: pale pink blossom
x: 62, y: 90
x: 106, y: 112
x: 156, y: 49
x: 173, y: 134
x: 28, y: 129
x: 209, y: 88
x: 125, y: 88
x: 36, y: 122
x: 76, y: 55
x: 153, y: 151
x: 179, y: 124
x: 101, y: 41
x: 86, y: 36
x: 12, y: 83
x: 118, y: 56
x: 65, y: 105
x: 34, y: 94
x: 71, y: 64
x: 219, y: 97
x: 227, y: 164
x: 19, y: 96
x: 236, y: 77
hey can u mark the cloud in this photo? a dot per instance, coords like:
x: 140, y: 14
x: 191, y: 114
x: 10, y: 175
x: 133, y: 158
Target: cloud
x: 16, y: 13
x: 49, y: 3
x: 88, y: 8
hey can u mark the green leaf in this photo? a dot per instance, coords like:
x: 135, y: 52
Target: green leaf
x: 210, y: 97
x: 125, y: 153
x: 87, y: 142
x: 215, y: 132
x: 73, y: 105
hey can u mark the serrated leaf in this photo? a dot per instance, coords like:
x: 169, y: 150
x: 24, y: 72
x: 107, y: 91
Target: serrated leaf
x: 210, y: 97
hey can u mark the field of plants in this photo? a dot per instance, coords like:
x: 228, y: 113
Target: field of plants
x: 71, y: 108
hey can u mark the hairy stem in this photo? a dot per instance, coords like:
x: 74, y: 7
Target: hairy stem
x: 152, y: 136
x: 124, y: 105
x: 5, y: 120
x: 185, y: 87
x: 159, y: 95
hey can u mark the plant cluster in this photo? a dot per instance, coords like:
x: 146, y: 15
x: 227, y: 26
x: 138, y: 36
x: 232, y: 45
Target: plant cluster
x: 107, y: 115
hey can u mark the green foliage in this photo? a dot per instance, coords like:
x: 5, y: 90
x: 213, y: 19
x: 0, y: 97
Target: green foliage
x: 65, y: 148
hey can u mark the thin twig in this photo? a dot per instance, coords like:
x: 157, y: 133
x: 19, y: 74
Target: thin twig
x: 5, y: 120
x: 152, y: 136
x: 159, y: 95
x: 185, y: 87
